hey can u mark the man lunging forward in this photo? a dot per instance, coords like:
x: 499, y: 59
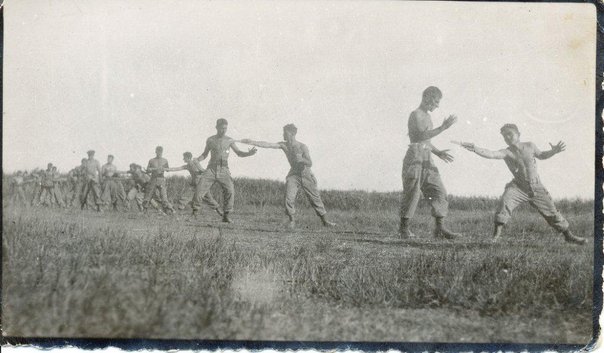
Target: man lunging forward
x: 526, y: 185
x: 219, y: 147
x: 299, y: 176
x: 157, y: 166
x: 420, y: 175
x: 196, y: 170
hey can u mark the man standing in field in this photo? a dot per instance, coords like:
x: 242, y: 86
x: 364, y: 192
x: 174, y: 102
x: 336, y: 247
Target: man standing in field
x: 420, y: 175
x: 113, y: 190
x: 17, y: 192
x: 193, y: 166
x: 92, y: 179
x: 218, y: 171
x: 157, y: 166
x: 299, y: 176
x: 46, y: 193
x: 526, y: 185
x: 76, y: 181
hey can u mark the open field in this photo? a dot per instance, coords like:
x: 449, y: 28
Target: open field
x: 72, y: 273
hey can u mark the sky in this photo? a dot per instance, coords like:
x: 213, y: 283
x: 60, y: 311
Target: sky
x: 122, y: 77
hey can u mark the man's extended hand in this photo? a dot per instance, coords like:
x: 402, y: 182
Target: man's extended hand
x: 444, y: 155
x: 252, y: 151
x: 469, y: 146
x: 559, y: 147
x: 452, y: 119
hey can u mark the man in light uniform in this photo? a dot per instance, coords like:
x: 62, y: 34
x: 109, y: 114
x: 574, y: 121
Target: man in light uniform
x: 45, y: 193
x: 113, y: 190
x: 17, y: 193
x: 92, y: 179
x: 140, y: 182
x: 193, y: 166
x: 57, y: 195
x: 420, y: 175
x: 218, y: 171
x: 76, y: 181
x: 299, y: 176
x: 157, y: 166
x: 526, y: 185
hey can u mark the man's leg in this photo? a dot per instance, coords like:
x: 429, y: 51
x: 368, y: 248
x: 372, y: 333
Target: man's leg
x: 84, y: 194
x: 309, y: 185
x: 58, y: 196
x: 543, y: 202
x: 411, y: 194
x: 434, y: 190
x: 223, y: 176
x: 163, y: 193
x: 202, y: 187
x: 512, y: 197
x: 96, y: 194
x: 292, y: 183
x: 149, y: 192
x: 121, y: 195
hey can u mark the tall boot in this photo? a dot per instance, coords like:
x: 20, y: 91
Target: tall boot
x: 403, y: 230
x: 440, y: 231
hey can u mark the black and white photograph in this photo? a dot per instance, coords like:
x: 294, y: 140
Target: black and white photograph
x: 301, y: 171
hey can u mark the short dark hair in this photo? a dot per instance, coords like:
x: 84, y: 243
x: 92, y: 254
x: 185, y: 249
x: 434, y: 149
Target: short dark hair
x: 291, y: 128
x: 221, y: 122
x: 90, y: 152
x: 188, y: 155
x: 110, y: 156
x: 83, y: 160
x: 159, y: 148
x: 432, y: 91
x: 510, y: 127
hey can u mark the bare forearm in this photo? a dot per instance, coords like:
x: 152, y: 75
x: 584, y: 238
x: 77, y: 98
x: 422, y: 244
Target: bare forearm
x: 546, y: 154
x: 428, y: 134
x: 483, y: 152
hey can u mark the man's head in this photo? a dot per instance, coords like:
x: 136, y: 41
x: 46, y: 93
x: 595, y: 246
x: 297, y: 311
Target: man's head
x: 221, y: 126
x: 54, y: 168
x: 431, y: 98
x: 83, y: 161
x: 49, y: 166
x: 159, y: 150
x: 187, y: 156
x: 18, y: 173
x: 510, y: 134
x: 110, y: 159
x: 90, y: 154
x: 289, y: 132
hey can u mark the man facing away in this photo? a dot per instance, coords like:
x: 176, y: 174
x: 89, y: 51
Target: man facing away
x: 157, y: 166
x: 299, y: 176
x: 193, y: 166
x: 92, y: 180
x: 526, y: 185
x: 219, y: 146
x: 420, y: 175
x: 113, y: 190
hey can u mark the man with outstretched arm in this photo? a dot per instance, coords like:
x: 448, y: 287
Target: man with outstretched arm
x: 157, y: 166
x: 420, y: 175
x: 193, y: 166
x: 526, y: 185
x: 219, y: 146
x: 299, y: 176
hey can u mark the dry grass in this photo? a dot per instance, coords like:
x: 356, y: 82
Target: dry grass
x: 68, y: 273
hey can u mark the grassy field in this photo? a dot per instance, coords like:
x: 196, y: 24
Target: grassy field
x: 72, y: 273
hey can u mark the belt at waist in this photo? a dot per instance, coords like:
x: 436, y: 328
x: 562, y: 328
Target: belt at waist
x: 425, y: 165
x: 158, y: 175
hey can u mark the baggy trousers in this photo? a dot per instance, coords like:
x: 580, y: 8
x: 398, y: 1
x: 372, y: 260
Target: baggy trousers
x: 307, y: 181
x: 537, y: 196
x: 420, y: 176
x: 186, y: 198
x: 159, y: 184
x: 138, y: 195
x: 113, y: 191
x: 87, y: 187
x: 222, y: 176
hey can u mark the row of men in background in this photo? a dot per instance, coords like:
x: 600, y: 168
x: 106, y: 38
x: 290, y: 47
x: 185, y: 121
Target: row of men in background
x: 103, y: 184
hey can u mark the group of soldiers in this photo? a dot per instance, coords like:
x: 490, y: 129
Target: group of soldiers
x: 420, y: 177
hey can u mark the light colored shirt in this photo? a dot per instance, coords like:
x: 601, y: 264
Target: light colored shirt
x: 157, y: 167
x: 108, y: 170
x: 92, y: 167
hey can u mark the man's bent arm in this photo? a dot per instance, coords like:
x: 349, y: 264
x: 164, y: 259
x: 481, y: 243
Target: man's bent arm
x: 305, y: 159
x: 204, y: 155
